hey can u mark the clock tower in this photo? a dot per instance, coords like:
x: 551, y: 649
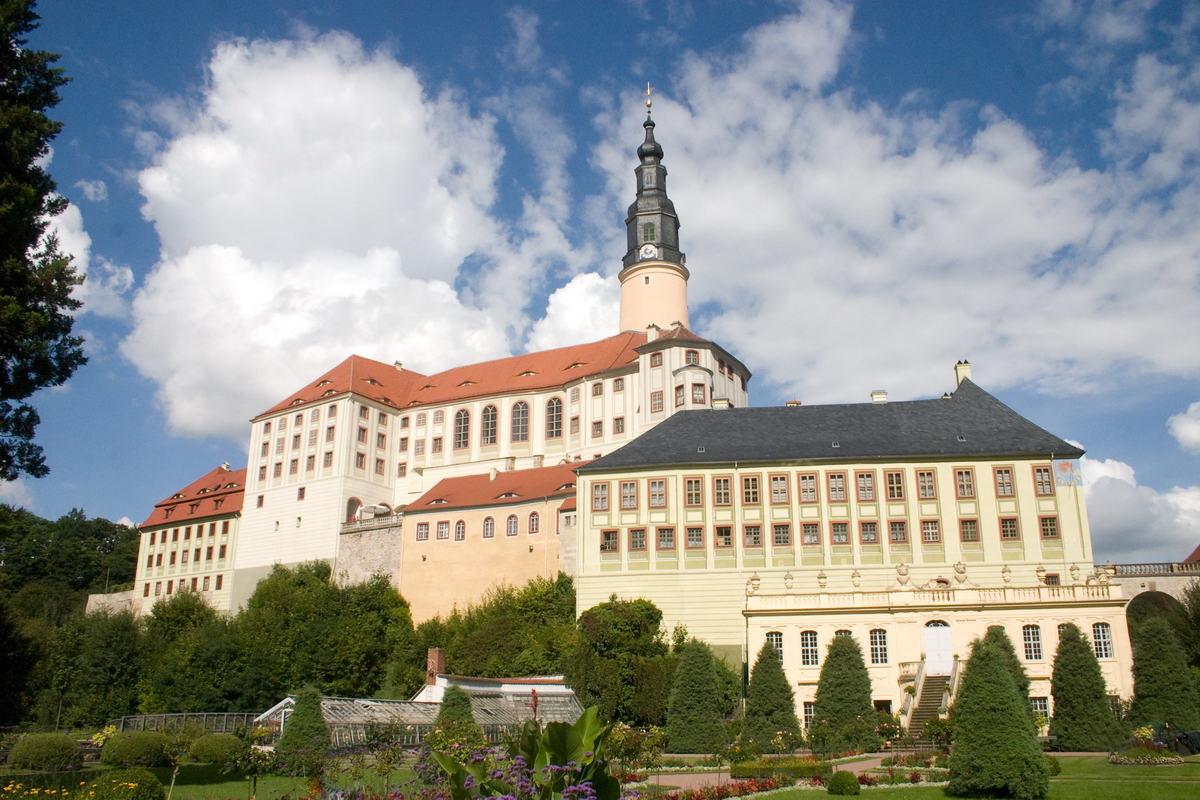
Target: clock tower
x: 653, y: 275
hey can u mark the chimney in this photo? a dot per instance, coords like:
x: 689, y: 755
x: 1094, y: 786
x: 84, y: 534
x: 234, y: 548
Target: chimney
x: 720, y: 403
x: 435, y: 664
x: 492, y: 473
x: 879, y: 396
x: 651, y: 333
x: 962, y: 371
x: 399, y: 365
x: 225, y: 466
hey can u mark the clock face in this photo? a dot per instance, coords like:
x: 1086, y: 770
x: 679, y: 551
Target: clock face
x: 649, y: 251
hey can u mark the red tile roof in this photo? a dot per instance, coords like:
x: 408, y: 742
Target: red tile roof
x: 682, y: 334
x: 472, y: 491
x: 218, y: 493
x: 1194, y: 557
x: 403, y: 388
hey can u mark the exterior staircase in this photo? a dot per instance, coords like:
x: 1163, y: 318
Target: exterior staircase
x: 928, y: 704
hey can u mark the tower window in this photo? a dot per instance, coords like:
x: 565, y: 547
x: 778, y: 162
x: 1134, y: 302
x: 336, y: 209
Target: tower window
x: 648, y: 232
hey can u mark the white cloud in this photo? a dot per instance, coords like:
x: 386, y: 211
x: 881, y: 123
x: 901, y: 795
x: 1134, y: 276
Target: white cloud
x: 1185, y: 427
x: 16, y: 493
x: 96, y: 191
x: 105, y: 286
x: 581, y: 311
x: 1136, y: 524
x: 127, y: 522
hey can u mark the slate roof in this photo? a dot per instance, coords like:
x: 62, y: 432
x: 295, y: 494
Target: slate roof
x: 863, y: 432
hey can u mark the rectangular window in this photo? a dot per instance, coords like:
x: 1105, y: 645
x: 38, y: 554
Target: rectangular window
x: 575, y: 395
x: 422, y: 531
x: 421, y: 420
x: 293, y: 466
x: 1043, y: 481
x: 403, y: 444
x: 1041, y: 706
x: 779, y: 489
x: 750, y: 490
x: 783, y: 535
x: 404, y: 422
x: 332, y: 412
x: 879, y: 653
x: 656, y: 402
x: 658, y: 493
x: 1031, y: 635
x: 810, y: 708
x: 721, y: 492
x: 597, y: 389
x: 608, y: 541
x: 666, y: 538
x: 1102, y: 640
x: 1004, y: 484
x: 837, y: 487
x: 312, y: 437
x: 869, y: 531
x: 695, y: 538
x: 679, y: 396
x: 439, y: 417
x: 693, y: 491
x: 866, y: 486
x: 656, y: 359
x: 811, y: 532
x: 258, y: 503
x: 808, y: 488
x: 964, y: 481
x: 419, y: 447
x: 171, y: 562
x: 327, y: 460
x: 618, y: 425
x: 637, y: 538
x: 1052, y: 579
x: 599, y: 497
x: 723, y: 536
x: 753, y: 536
x: 1049, y: 527
x: 968, y: 530
x: 898, y: 531
x: 379, y: 466
x: 895, y: 485
x: 618, y: 384
x: 629, y: 494
x: 597, y: 430
x: 300, y: 493
x: 930, y: 531
x: 926, y: 488
x: 208, y: 553
x: 220, y: 580
x: 574, y: 424
x: 221, y: 551
x: 266, y: 448
x: 443, y: 530
x: 437, y: 444
x: 698, y: 393
x: 1009, y: 530
x: 278, y: 471
x: 296, y: 442
x: 382, y: 419
x: 262, y: 473
x: 310, y: 463
x: 360, y: 460
x: 362, y: 435
x: 329, y: 433
x: 840, y: 532
x: 279, y: 445
x: 364, y: 412
x: 810, y: 656
x: 401, y: 470
x: 381, y: 441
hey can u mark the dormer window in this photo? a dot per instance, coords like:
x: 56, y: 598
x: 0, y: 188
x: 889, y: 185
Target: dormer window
x: 507, y: 495
x: 565, y: 487
x: 298, y: 401
x: 467, y: 383
x: 527, y: 374
x: 205, y: 490
x: 232, y: 485
x: 576, y: 365
x: 193, y: 507
x: 372, y: 381
x: 177, y: 496
x: 324, y: 383
x: 426, y: 386
x: 438, y: 502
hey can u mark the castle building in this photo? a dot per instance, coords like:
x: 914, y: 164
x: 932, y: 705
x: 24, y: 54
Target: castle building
x: 911, y: 525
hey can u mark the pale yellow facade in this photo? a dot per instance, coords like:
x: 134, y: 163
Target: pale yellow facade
x: 188, y: 554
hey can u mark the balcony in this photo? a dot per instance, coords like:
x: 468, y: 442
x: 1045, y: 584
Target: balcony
x: 372, y: 524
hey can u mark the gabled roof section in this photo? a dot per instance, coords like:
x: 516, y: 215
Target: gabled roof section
x: 219, y: 493
x: 387, y: 384
x: 967, y: 424
x: 682, y: 336
x: 1194, y: 557
x: 530, y: 372
x: 507, y: 488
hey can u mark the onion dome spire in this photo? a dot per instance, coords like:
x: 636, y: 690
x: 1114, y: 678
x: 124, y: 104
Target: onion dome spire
x: 652, y: 227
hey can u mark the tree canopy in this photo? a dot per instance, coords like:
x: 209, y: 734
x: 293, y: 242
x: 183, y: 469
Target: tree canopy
x: 36, y: 346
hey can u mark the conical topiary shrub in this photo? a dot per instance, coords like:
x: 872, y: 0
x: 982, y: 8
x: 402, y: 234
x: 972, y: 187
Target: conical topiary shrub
x: 844, y: 716
x: 1083, y: 718
x: 694, y: 710
x: 305, y: 740
x: 770, y: 706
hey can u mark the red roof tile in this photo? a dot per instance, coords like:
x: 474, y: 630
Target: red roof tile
x: 1194, y: 557
x: 472, y: 491
x: 401, y: 388
x: 218, y: 493
x: 568, y: 504
x: 682, y: 334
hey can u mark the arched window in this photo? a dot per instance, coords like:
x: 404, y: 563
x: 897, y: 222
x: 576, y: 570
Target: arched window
x: 842, y: 632
x: 1102, y: 640
x: 489, y: 527
x: 648, y: 232
x: 462, y: 429
x: 553, y: 418
x: 488, y: 426
x: 879, y: 653
x: 512, y: 525
x: 775, y: 639
x: 460, y: 531
x: 809, y: 655
x: 520, y: 422
x: 534, y: 522
x: 1031, y: 635
x: 352, y: 507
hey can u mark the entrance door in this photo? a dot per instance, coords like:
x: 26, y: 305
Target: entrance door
x: 939, y: 649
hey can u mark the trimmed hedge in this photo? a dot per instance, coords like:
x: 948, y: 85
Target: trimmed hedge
x: 215, y: 748
x: 127, y: 784
x: 843, y: 783
x: 137, y: 748
x: 794, y: 769
x: 46, y: 752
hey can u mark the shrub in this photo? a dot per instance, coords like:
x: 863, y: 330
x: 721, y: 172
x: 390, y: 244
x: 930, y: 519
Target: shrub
x: 137, y: 748
x: 694, y: 708
x: 1053, y: 766
x: 1163, y: 688
x: 305, y: 740
x: 792, y: 768
x: 1144, y: 756
x: 47, y: 752
x: 996, y: 750
x: 770, y: 705
x: 1083, y: 719
x: 867, y: 779
x: 127, y: 784
x: 843, y: 783
x: 996, y: 635
x: 215, y: 748
x: 843, y: 701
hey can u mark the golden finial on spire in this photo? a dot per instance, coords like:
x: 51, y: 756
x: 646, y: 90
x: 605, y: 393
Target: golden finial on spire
x: 647, y: 93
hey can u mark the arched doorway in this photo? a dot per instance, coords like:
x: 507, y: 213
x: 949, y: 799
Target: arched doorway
x: 352, y: 507
x: 939, y: 648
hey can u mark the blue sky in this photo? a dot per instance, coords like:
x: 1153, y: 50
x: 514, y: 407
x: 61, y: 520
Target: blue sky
x: 868, y: 192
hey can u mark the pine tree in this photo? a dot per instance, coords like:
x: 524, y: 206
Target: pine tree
x: 998, y: 636
x: 1083, y: 719
x: 996, y: 750
x: 1163, y: 688
x: 770, y: 704
x: 455, y: 708
x: 694, y: 709
x: 305, y: 740
x: 843, y: 711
